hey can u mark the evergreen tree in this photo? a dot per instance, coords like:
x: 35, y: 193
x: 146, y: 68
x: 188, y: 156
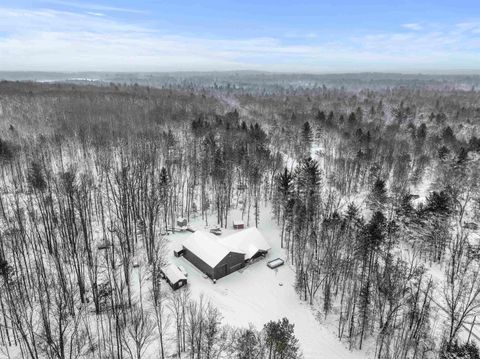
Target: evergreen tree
x: 378, y: 195
x: 443, y: 152
x: 422, y: 132
x: 247, y: 344
x: 35, y: 177
x: 307, y: 133
x: 281, y: 341
x: 283, y: 194
x: 371, y: 239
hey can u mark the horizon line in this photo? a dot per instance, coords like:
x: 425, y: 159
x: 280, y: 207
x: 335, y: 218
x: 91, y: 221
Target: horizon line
x: 317, y: 73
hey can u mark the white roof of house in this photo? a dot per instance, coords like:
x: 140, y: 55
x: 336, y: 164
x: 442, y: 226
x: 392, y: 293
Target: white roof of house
x: 206, y: 247
x: 248, y: 241
x: 173, y: 273
x: 237, y: 222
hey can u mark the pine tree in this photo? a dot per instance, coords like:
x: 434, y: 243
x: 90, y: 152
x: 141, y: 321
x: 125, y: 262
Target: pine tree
x: 307, y: 134
x: 443, y: 152
x: 281, y: 341
x: 369, y: 244
x: 35, y: 177
x: 378, y: 195
x: 247, y: 344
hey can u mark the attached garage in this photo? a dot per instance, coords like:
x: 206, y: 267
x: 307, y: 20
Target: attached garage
x: 211, y: 257
x: 249, y: 241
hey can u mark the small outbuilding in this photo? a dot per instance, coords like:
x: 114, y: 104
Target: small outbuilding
x: 211, y: 257
x: 103, y: 245
x: 238, y: 224
x: 174, y: 276
x: 182, y: 222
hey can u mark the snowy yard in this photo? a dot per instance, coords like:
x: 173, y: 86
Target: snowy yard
x: 257, y: 294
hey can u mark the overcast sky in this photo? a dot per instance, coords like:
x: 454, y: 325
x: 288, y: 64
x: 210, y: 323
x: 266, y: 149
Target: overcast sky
x: 273, y: 35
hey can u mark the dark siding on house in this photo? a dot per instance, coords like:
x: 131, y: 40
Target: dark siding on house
x: 197, y: 262
x: 231, y: 263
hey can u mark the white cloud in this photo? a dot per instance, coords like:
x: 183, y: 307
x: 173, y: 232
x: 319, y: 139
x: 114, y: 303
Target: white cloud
x: 94, y: 13
x: 413, y: 26
x: 91, y: 6
x: 69, y: 41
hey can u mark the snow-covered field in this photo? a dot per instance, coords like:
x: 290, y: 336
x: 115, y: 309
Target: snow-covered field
x: 257, y: 294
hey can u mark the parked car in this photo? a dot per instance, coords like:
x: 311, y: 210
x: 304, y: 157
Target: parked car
x: 277, y: 262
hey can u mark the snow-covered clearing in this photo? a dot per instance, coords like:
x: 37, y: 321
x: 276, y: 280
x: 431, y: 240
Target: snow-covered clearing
x: 257, y: 294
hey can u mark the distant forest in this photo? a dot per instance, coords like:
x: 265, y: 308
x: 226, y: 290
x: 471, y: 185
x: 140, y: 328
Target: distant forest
x: 256, y: 81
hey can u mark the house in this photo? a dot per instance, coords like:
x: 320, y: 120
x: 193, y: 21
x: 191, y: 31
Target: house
x: 249, y: 241
x: 174, y: 276
x: 238, y: 224
x: 211, y: 257
x: 181, y: 222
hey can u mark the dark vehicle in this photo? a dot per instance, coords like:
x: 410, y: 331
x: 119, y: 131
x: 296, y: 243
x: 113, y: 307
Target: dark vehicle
x: 275, y: 263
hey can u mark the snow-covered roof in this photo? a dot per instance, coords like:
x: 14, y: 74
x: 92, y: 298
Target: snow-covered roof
x: 238, y: 222
x: 248, y: 241
x: 206, y: 247
x: 173, y: 273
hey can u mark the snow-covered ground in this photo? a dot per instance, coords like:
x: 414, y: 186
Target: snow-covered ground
x: 257, y: 294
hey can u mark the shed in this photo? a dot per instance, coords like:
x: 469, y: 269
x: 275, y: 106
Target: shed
x: 174, y: 276
x: 211, y: 257
x: 249, y: 241
x: 182, y: 222
x: 238, y: 224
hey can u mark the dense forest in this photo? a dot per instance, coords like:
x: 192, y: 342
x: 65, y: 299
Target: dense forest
x: 375, y: 190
